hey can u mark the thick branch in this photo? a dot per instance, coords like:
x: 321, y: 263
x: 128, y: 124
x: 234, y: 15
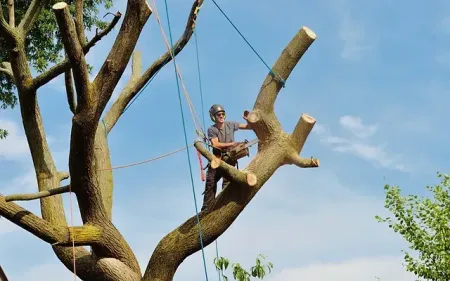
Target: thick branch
x: 137, y: 14
x: 301, y: 131
x: 283, y: 68
x: 231, y: 172
x: 37, y: 195
x: 75, y: 53
x: 11, y: 18
x: 5, y: 30
x: 85, y: 235
x: 134, y: 86
x: 65, y: 65
x: 32, y: 14
x: 69, y: 91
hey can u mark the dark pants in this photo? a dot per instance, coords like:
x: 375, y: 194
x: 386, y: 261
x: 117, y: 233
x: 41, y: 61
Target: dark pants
x: 212, y: 177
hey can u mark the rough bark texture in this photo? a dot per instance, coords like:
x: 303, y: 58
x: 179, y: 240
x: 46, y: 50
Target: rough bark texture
x: 91, y: 179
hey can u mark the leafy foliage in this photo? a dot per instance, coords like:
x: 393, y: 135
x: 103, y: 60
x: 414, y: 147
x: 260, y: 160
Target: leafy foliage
x: 424, y: 224
x: 239, y: 273
x: 43, y: 42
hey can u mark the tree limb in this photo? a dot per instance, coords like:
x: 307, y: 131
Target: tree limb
x: 75, y: 53
x: 31, y: 15
x: 137, y: 14
x: 69, y: 91
x: 46, y: 231
x: 135, y: 85
x: 231, y: 172
x: 283, y: 68
x: 79, y: 26
x: 11, y: 18
x: 301, y: 132
x: 5, y: 30
x: 65, y: 65
x: 37, y: 195
x: 303, y: 162
x: 5, y: 67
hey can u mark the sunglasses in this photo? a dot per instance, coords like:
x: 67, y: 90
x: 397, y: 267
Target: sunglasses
x: 220, y: 114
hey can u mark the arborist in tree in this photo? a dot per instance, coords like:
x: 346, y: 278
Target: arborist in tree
x: 221, y: 135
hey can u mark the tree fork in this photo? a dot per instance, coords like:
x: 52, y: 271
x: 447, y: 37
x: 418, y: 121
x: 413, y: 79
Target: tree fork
x: 274, y: 148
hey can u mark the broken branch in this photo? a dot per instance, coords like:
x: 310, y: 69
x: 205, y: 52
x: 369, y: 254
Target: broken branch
x: 75, y: 53
x: 37, y: 195
x: 65, y: 65
x: 231, y: 172
x: 301, y: 131
x: 283, y: 68
x: 133, y: 88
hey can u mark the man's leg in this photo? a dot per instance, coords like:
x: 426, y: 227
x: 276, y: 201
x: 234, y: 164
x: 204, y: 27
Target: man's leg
x: 225, y: 180
x: 212, y: 177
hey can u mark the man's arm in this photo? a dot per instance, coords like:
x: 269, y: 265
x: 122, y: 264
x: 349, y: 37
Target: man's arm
x: 245, y: 126
x: 214, y: 137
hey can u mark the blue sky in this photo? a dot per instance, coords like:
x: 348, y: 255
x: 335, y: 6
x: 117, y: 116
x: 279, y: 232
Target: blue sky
x: 376, y: 82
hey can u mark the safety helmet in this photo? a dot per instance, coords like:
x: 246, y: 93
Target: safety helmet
x: 215, y: 108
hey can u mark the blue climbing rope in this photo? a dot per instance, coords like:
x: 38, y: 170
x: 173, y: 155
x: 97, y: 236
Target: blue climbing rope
x: 248, y: 43
x: 203, y: 115
x: 186, y: 141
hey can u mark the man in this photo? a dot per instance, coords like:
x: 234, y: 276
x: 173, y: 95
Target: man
x: 221, y: 135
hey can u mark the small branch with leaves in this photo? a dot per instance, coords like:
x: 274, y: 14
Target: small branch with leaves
x: 240, y: 274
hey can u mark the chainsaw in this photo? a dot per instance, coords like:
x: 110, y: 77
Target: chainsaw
x: 239, y: 151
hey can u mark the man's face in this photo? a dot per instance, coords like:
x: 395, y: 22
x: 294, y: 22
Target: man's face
x: 220, y: 117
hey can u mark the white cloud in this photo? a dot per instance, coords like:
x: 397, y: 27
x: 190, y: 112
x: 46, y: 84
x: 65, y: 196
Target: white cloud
x: 360, y: 146
x: 367, y: 269
x: 353, y: 35
x: 15, y: 145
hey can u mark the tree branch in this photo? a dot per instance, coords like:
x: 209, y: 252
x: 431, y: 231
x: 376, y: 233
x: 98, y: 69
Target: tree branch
x: 137, y: 14
x: 65, y: 65
x: 37, y: 195
x: 283, y: 68
x: 79, y: 26
x: 5, y: 67
x: 12, y: 21
x: 75, y: 53
x: 301, y: 131
x: 5, y: 30
x: 303, y: 162
x: 46, y: 231
x: 69, y: 91
x: 134, y: 86
x: 31, y: 15
x: 231, y: 172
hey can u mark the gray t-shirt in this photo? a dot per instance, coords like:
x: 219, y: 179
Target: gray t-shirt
x: 226, y: 133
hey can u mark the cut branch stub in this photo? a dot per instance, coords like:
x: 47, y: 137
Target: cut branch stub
x: 301, y: 131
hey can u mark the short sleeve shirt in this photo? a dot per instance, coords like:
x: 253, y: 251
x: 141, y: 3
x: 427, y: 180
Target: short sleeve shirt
x: 226, y: 133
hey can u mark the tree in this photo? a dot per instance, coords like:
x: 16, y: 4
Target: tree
x: 424, y: 224
x: 110, y: 257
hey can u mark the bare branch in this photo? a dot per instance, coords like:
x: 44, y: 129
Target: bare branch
x: 5, y: 30
x: 37, y: 195
x: 301, y: 162
x: 79, y: 26
x: 69, y: 91
x: 136, y: 65
x: 65, y: 65
x: 137, y: 14
x: 75, y: 53
x: 31, y: 15
x: 231, y: 172
x: 301, y: 131
x: 134, y: 86
x: 3, y: 275
x: 5, y: 67
x: 85, y: 235
x: 11, y: 18
x: 283, y: 68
